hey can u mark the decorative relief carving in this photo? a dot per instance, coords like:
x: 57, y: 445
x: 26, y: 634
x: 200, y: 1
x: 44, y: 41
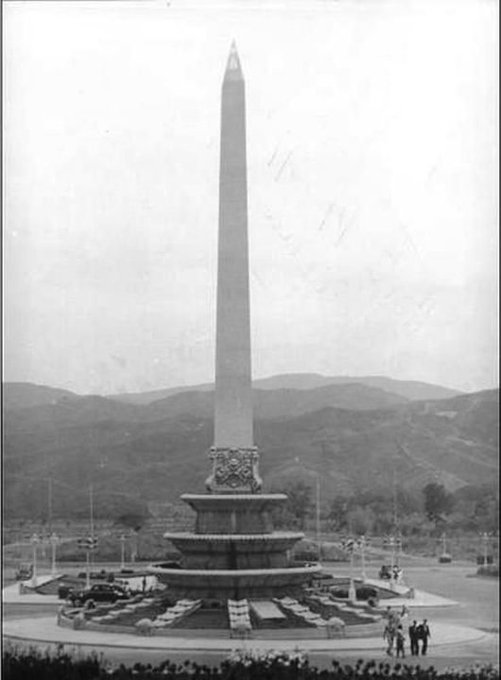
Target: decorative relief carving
x: 234, y: 470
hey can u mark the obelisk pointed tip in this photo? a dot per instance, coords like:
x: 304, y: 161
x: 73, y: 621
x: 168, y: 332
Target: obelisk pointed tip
x: 233, y: 67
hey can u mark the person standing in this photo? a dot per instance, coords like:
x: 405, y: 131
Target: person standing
x: 413, y: 639
x: 404, y: 613
x: 389, y: 636
x: 423, y: 634
x: 400, y: 642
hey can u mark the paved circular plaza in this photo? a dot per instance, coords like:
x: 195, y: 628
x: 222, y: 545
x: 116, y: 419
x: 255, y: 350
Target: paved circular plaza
x: 31, y: 620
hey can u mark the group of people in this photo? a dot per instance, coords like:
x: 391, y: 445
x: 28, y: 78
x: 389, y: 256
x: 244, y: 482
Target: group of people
x: 419, y: 633
x: 394, y: 634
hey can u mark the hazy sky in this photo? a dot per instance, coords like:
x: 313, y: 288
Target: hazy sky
x: 373, y: 172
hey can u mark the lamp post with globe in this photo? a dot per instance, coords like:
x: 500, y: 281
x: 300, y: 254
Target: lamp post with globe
x: 122, y: 551
x: 54, y: 540
x: 35, y: 540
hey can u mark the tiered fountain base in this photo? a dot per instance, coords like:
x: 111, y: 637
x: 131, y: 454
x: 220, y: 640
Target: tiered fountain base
x: 234, y: 552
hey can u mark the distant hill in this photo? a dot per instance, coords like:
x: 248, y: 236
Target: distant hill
x: 282, y: 403
x: 410, y: 389
x: 25, y: 395
x: 138, y: 453
x: 451, y: 441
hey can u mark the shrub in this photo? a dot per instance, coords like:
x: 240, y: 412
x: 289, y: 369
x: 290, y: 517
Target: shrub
x: 33, y: 664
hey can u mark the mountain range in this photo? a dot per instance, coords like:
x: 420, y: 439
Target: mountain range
x: 353, y: 433
x: 410, y: 389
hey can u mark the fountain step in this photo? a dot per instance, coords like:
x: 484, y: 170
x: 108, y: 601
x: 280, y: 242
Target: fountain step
x: 235, y: 551
x: 234, y: 513
x: 234, y: 583
x: 268, y: 537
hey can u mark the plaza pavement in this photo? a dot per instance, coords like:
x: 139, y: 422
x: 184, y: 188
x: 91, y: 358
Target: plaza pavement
x: 421, y: 598
x: 11, y: 595
x: 45, y: 630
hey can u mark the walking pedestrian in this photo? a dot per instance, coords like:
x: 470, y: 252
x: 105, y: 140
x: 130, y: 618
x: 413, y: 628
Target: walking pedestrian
x: 423, y: 634
x: 389, y: 636
x: 413, y: 639
x: 404, y: 613
x: 400, y: 642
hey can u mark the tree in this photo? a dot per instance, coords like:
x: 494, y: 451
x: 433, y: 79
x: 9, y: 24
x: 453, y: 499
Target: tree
x: 437, y: 501
x: 337, y: 513
x: 299, y: 501
x: 132, y: 520
x: 360, y: 520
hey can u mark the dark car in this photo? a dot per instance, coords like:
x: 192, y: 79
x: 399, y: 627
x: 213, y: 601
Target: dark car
x: 445, y: 558
x: 362, y: 592
x: 24, y: 572
x: 99, y: 592
x: 389, y: 571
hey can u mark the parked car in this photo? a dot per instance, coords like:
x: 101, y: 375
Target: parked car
x: 24, y: 572
x: 363, y: 592
x: 445, y: 558
x: 64, y: 590
x: 389, y: 571
x: 99, y: 592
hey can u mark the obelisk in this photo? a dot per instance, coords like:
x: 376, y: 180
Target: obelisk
x: 234, y: 454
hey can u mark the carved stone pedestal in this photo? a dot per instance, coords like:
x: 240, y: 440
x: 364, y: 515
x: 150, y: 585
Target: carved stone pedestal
x: 234, y: 470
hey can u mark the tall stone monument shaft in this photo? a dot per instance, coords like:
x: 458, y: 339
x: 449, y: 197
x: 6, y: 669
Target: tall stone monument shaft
x: 233, y: 551
x: 234, y: 454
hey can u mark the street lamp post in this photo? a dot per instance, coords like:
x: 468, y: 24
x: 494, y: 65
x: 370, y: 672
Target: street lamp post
x: 444, y: 544
x: 362, y: 554
x: 352, y: 593
x: 399, y: 549
x: 88, y: 544
x: 87, y: 569
x: 122, y: 551
x: 392, y: 566
x: 35, y: 540
x: 348, y: 546
x: 54, y: 540
x: 485, y: 539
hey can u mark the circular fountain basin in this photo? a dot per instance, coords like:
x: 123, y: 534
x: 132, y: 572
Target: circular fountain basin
x: 234, y: 513
x: 235, y: 551
x: 233, y: 583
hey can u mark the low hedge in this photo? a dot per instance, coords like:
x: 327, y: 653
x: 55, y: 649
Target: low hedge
x: 35, y: 665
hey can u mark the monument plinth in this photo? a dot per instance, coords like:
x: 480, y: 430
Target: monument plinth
x: 234, y: 551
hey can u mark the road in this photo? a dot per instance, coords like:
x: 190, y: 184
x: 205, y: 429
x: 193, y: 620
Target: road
x: 478, y: 606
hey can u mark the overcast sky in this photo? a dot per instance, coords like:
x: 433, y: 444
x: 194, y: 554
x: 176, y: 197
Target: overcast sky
x: 373, y: 171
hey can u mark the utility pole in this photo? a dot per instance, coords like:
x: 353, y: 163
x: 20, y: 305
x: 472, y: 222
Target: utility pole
x: 91, y: 508
x: 35, y: 540
x: 49, y: 504
x: 395, y: 515
x: 319, y: 547
x: 122, y: 551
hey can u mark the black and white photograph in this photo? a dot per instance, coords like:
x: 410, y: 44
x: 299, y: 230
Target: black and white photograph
x: 250, y: 391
